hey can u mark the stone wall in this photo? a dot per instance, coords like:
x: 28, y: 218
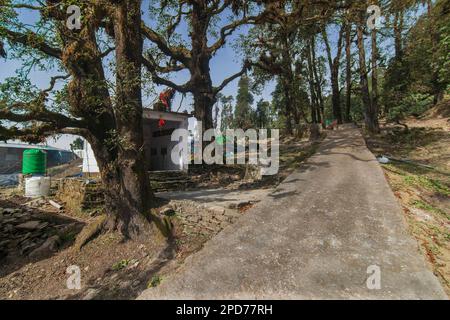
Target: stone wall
x: 200, y: 218
x: 81, y: 197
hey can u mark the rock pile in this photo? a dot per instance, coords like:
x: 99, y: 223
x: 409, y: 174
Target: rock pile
x: 202, y: 219
x: 27, y: 232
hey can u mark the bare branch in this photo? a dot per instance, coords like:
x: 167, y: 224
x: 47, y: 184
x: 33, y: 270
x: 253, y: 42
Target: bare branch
x: 228, y: 30
x: 245, y: 68
x: 178, y: 53
x: 161, y: 81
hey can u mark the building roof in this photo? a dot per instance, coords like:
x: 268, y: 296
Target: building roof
x: 29, y: 146
x: 172, y: 116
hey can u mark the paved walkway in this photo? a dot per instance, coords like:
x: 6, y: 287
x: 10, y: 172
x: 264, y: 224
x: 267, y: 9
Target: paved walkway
x: 313, y: 238
x: 228, y: 199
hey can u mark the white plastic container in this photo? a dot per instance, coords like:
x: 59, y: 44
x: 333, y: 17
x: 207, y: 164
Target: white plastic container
x: 37, y: 187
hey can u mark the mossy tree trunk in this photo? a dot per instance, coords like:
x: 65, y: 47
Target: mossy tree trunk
x: 111, y: 120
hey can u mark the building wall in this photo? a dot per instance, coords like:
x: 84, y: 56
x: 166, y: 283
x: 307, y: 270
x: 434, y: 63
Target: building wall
x: 89, y: 163
x: 157, y: 147
x: 10, y: 160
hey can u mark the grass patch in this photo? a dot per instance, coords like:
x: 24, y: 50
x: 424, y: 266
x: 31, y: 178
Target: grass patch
x: 414, y: 137
x: 428, y: 207
x: 414, y: 177
x: 154, y: 185
x: 154, y: 281
x: 293, y: 160
x: 120, y: 265
x: 393, y: 169
x: 427, y: 183
x: 68, y: 237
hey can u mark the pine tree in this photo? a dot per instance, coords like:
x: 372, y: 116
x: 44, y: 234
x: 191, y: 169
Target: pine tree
x: 226, y: 117
x: 244, y: 102
x: 263, y: 117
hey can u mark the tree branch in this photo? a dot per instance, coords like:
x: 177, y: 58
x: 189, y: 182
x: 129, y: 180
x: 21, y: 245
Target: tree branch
x: 38, y: 133
x: 165, y: 82
x: 228, y: 30
x: 180, y: 54
x: 39, y: 115
x: 245, y: 68
x: 32, y: 40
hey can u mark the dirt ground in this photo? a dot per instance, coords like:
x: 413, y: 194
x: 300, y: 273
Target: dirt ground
x: 421, y: 182
x: 109, y: 268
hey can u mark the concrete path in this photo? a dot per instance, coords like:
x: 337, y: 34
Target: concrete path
x: 228, y: 199
x: 314, y: 238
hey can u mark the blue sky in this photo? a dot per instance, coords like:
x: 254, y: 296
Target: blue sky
x: 224, y: 64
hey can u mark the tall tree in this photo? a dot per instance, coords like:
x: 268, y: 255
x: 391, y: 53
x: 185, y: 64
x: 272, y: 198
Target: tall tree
x: 195, y: 57
x: 334, y: 65
x: 318, y: 67
x: 315, y: 72
x: 420, y: 75
x: 244, y: 101
x: 279, y: 46
x: 370, y: 110
x: 348, y: 71
x: 77, y: 144
x: 110, y: 120
x: 314, y: 100
x: 398, y: 31
x: 374, y: 109
x: 217, y: 110
x: 226, y: 117
x: 263, y: 117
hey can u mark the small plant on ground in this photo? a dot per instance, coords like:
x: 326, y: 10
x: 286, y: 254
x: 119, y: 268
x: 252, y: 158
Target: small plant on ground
x: 428, y: 207
x: 154, y: 281
x: 429, y: 184
x: 120, y: 265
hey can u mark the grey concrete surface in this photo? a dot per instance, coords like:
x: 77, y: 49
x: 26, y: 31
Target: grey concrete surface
x: 228, y: 199
x: 313, y: 238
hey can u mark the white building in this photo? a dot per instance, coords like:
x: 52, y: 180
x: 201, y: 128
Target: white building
x: 158, y: 145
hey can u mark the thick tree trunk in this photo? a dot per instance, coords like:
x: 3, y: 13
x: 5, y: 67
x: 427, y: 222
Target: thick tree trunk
x: 334, y: 65
x: 371, y: 118
x: 398, y: 38
x: 348, y: 72
x: 287, y: 109
x: 127, y: 197
x: 375, y: 95
x: 336, y: 97
x: 318, y: 83
x: 114, y: 129
x: 203, y: 109
x: 291, y: 107
x: 204, y: 97
x: 315, y: 113
x: 128, y: 194
x: 438, y: 88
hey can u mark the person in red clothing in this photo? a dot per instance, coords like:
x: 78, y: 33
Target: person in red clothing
x: 164, y: 104
x: 165, y: 100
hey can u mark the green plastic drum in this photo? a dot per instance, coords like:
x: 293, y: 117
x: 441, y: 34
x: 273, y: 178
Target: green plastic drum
x: 34, y: 162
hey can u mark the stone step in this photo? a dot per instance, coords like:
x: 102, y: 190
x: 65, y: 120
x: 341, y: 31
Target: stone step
x: 163, y: 181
